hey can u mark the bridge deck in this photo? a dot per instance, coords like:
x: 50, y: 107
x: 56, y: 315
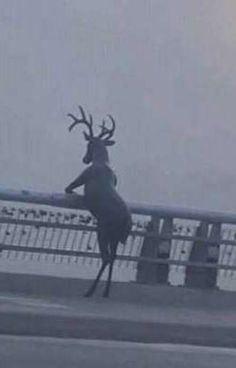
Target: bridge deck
x: 186, y: 316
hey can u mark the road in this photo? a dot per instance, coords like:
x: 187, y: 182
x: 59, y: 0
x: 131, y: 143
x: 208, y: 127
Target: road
x: 38, y: 352
x: 96, y: 318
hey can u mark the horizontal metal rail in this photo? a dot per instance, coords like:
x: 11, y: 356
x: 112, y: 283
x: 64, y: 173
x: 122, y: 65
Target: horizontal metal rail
x: 75, y: 253
x: 76, y: 201
x: 149, y: 234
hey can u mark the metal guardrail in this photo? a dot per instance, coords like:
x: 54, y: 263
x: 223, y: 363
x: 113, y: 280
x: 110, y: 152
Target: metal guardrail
x: 164, y: 242
x: 75, y: 201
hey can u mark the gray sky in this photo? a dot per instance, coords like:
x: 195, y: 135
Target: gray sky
x: 164, y: 68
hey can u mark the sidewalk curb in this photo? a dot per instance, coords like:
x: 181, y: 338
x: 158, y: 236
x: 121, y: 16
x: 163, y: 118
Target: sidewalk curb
x: 84, y: 327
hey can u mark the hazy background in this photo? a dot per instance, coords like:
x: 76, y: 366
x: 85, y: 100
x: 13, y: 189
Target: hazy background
x: 166, y: 71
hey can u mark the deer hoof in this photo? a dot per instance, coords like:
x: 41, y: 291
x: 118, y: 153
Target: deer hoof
x: 105, y: 295
x: 88, y: 294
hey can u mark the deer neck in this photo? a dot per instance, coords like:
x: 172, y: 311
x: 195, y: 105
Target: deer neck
x: 101, y: 157
x: 101, y: 162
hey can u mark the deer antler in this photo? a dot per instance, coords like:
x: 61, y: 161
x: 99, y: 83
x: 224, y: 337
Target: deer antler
x: 83, y: 120
x: 106, y: 132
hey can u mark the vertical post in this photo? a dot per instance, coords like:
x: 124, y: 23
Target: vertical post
x: 196, y: 276
x: 146, y: 272
x: 163, y: 251
x: 213, y: 255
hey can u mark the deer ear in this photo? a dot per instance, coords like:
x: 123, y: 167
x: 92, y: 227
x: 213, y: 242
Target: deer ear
x: 87, y: 137
x: 109, y: 142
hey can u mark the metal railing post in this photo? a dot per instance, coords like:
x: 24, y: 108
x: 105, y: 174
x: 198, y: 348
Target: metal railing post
x: 213, y: 250
x: 163, y: 251
x: 146, y: 272
x: 196, y: 276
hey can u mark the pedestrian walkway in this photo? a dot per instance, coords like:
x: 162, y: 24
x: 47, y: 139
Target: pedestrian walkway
x: 110, y: 319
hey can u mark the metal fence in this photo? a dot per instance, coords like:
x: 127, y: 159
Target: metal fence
x: 177, y: 246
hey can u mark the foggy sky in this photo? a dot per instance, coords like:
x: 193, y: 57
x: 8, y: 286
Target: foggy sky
x: 164, y: 69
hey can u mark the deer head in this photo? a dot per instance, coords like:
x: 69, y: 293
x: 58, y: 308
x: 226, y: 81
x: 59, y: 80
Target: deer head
x: 96, y: 148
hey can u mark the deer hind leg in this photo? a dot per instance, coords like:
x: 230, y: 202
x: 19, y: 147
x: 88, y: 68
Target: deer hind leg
x: 103, y: 247
x: 93, y: 287
x: 113, y: 249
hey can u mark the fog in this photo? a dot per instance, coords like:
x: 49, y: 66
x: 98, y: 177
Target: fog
x: 164, y: 69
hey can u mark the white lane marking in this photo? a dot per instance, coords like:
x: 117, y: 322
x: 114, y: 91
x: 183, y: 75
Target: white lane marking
x: 32, y: 302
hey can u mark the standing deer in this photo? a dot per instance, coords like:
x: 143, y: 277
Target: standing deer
x: 101, y: 198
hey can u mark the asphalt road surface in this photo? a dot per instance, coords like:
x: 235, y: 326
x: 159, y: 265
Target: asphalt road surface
x: 35, y: 352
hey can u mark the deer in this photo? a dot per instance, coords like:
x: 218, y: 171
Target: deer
x: 101, y: 198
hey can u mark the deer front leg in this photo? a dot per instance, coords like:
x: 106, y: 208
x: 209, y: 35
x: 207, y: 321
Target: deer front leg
x: 79, y: 181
